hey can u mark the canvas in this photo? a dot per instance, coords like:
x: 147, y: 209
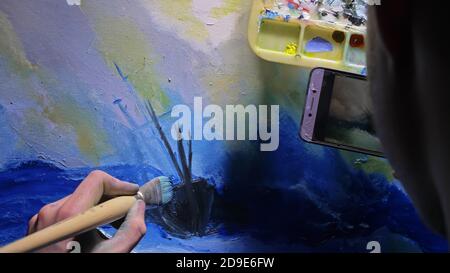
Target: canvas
x: 74, y: 78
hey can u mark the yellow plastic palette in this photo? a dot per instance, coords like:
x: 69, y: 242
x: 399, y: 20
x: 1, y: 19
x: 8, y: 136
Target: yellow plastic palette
x: 305, y: 42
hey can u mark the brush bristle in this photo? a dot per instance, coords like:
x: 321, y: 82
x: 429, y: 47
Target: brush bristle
x: 157, y: 192
x: 166, y: 189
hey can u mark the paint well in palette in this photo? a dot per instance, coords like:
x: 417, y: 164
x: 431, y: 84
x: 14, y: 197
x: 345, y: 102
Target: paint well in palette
x: 277, y: 36
x: 356, y: 53
x: 356, y: 56
x: 318, y: 43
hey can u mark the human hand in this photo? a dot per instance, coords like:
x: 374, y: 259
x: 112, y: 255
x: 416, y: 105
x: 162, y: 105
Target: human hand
x: 95, y: 188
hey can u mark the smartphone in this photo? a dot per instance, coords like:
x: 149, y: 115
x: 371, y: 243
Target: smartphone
x: 338, y: 112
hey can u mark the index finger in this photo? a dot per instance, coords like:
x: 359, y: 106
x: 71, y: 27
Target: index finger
x: 91, y: 190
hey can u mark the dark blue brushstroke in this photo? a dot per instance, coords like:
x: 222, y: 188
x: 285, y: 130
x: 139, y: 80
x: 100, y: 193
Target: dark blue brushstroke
x: 292, y: 196
x: 124, y: 78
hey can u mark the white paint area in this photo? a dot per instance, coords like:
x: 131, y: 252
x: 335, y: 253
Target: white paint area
x: 73, y: 2
x: 219, y: 30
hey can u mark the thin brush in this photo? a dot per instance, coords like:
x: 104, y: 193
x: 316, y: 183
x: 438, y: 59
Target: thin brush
x: 193, y: 205
x: 163, y: 137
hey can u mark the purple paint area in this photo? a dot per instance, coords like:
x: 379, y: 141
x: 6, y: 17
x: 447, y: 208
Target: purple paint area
x: 317, y: 45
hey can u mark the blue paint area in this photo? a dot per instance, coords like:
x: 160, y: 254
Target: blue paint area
x: 364, y: 71
x: 289, y: 200
x: 26, y: 187
x: 318, y: 44
x: 269, y: 14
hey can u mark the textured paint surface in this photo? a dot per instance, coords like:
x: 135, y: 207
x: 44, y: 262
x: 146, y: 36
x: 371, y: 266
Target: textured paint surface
x: 228, y: 6
x: 65, y: 110
x: 182, y: 11
x: 73, y: 2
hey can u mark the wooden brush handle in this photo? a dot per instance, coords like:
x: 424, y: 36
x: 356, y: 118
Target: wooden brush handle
x: 101, y: 214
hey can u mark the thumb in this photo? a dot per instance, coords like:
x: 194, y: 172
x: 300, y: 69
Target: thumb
x: 129, y: 233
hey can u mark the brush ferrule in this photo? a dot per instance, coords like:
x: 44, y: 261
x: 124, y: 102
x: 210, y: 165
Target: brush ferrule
x: 139, y: 196
x: 151, y: 192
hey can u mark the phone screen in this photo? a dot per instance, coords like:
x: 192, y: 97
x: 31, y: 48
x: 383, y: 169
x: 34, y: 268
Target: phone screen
x: 350, y: 115
x: 343, y: 116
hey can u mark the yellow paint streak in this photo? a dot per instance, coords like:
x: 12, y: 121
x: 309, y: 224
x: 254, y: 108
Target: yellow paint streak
x: 11, y: 49
x: 221, y: 88
x: 121, y: 42
x: 90, y: 142
x: 227, y: 7
x: 181, y: 10
x: 17, y: 63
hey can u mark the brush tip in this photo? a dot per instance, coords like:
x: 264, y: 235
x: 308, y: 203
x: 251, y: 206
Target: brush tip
x: 166, y: 189
x: 158, y: 191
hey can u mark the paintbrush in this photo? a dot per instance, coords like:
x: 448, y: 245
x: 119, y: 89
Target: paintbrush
x: 157, y: 192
